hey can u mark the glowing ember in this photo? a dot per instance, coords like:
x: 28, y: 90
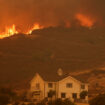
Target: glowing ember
x: 85, y: 20
x: 9, y: 31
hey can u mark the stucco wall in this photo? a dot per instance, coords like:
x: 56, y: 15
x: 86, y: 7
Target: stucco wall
x: 38, y: 79
x: 75, y: 89
x: 47, y: 89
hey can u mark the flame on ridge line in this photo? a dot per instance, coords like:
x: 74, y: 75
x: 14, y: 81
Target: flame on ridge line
x: 10, y: 31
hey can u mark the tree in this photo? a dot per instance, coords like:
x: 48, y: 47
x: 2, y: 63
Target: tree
x: 31, y: 104
x: 41, y: 103
x: 61, y: 102
x: 99, y: 100
x: 4, y: 99
x: 56, y: 102
x: 23, y: 96
x: 8, y: 95
x: 16, y: 103
x: 68, y: 102
x: 83, y: 94
x: 51, y: 93
x: 9, y: 92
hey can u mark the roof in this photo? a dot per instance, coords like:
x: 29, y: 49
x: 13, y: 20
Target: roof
x: 54, y: 77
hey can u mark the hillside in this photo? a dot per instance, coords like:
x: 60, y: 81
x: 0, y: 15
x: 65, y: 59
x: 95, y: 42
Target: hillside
x: 47, y: 50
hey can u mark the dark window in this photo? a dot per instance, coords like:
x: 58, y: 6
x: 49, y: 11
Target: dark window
x: 63, y: 95
x: 50, y: 85
x: 82, y: 86
x: 37, y: 86
x: 74, y: 95
x: 49, y: 95
x: 69, y: 85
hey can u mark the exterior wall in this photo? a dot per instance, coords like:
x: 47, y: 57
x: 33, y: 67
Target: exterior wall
x: 86, y: 89
x: 37, y: 80
x: 47, y: 88
x: 69, y: 91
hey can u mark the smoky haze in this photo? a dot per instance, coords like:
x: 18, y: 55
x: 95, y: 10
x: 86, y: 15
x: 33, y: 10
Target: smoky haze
x: 24, y: 13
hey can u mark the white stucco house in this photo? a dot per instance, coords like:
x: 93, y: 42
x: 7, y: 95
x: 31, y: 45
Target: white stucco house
x: 64, y: 86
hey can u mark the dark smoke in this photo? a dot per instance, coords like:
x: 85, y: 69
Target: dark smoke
x: 24, y: 13
x: 94, y: 8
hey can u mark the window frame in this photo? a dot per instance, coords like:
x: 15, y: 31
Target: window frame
x: 63, y: 95
x: 69, y: 85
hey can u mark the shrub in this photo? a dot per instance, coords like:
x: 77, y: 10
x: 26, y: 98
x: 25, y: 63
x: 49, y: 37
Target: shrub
x: 83, y: 94
x: 61, y: 102
x: 4, y: 99
x: 99, y: 100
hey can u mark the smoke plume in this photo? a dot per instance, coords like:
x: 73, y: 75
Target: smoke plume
x: 25, y: 13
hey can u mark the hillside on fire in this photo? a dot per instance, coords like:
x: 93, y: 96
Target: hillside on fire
x: 75, y: 49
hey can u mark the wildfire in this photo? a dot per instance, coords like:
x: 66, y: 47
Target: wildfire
x: 10, y: 31
x: 35, y: 27
x: 85, y: 20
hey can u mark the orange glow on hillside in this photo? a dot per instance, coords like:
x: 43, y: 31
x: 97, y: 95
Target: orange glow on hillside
x: 85, y: 20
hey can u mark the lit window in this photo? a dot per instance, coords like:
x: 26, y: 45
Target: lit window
x: 50, y: 85
x: 69, y: 85
x: 63, y: 95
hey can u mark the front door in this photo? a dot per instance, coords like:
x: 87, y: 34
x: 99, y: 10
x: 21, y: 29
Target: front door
x: 74, y: 95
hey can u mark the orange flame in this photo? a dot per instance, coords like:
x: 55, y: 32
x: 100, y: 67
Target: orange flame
x: 85, y: 20
x: 35, y: 27
x: 9, y: 31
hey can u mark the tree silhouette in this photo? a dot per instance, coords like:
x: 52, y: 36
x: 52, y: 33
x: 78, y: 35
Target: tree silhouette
x: 51, y: 93
x: 83, y: 94
x: 99, y: 100
x: 4, y: 99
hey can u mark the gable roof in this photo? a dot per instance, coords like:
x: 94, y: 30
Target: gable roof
x: 54, y: 77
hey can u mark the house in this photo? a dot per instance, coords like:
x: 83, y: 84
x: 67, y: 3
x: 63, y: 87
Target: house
x: 64, y: 86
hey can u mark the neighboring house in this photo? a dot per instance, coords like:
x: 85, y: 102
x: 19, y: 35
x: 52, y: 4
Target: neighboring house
x: 64, y: 86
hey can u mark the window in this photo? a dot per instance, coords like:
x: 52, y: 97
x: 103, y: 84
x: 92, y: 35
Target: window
x: 50, y: 85
x: 69, y: 85
x: 37, y: 86
x: 63, y: 95
x: 49, y: 95
x: 82, y: 86
x: 74, y: 95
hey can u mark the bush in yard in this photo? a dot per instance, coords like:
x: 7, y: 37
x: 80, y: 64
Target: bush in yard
x: 61, y: 102
x: 83, y: 94
x: 99, y: 100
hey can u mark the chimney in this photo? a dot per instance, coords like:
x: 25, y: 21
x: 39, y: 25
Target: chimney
x: 60, y: 72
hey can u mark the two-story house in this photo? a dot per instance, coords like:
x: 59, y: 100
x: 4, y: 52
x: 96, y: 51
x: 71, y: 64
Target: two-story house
x: 64, y: 86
